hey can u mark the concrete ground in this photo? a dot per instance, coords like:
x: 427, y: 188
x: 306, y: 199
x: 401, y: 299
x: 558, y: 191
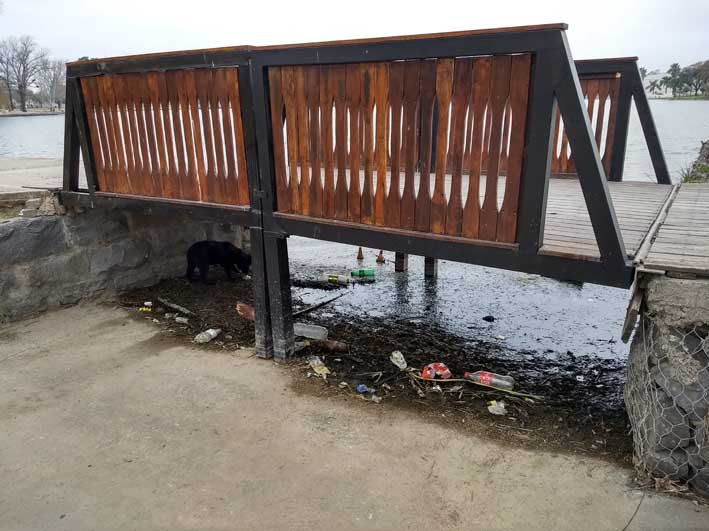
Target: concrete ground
x: 106, y: 425
x: 16, y: 173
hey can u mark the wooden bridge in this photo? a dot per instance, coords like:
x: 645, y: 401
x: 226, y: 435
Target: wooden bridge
x: 489, y: 147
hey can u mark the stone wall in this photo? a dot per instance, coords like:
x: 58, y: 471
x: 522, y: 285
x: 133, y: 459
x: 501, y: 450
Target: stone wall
x: 699, y: 172
x: 51, y: 257
x: 667, y: 384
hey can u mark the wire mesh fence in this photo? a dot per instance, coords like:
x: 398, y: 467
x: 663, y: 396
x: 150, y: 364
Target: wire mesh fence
x: 667, y: 398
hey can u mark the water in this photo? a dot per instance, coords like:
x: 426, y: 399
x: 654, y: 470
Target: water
x: 32, y: 136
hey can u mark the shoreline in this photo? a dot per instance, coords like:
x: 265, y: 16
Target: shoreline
x: 14, y: 114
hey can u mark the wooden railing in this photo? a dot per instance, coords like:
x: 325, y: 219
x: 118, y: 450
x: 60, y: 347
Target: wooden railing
x: 175, y: 135
x: 327, y: 167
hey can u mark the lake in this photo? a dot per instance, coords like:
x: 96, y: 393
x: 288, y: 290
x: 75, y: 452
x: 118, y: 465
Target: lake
x: 682, y: 125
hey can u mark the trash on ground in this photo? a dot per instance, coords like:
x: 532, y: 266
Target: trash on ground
x: 489, y: 318
x: 436, y: 389
x: 376, y: 399
x: 318, y: 366
x: 386, y: 387
x: 496, y: 408
x: 246, y: 311
x: 363, y: 389
x: 170, y: 315
x: 300, y: 345
x: 207, y: 335
x: 145, y: 309
x: 580, y: 378
x: 501, y: 337
x: 491, y: 379
x: 433, y: 370
x: 318, y: 305
x: 181, y: 320
x: 397, y: 358
x: 148, y: 304
x: 366, y: 272
x: 332, y: 278
x: 175, y: 307
x: 310, y: 331
x: 343, y: 385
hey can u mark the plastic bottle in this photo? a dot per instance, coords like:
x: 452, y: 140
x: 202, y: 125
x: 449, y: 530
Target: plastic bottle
x: 491, y: 379
x: 207, y: 335
x: 310, y: 331
x: 363, y: 273
x: 334, y: 279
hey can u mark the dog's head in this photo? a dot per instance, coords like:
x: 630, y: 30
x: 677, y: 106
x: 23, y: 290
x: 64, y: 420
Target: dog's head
x: 238, y: 257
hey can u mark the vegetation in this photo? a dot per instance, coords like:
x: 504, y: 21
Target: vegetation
x: 29, y: 76
x: 688, y: 82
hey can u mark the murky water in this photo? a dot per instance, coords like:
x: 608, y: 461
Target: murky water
x: 32, y: 136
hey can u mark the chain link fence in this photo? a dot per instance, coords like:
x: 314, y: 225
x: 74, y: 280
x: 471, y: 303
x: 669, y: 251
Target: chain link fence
x: 667, y: 398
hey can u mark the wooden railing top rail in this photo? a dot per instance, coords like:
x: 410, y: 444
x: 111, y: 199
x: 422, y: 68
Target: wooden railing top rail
x: 74, y: 65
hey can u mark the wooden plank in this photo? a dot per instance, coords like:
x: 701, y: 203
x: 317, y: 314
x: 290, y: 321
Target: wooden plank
x: 519, y: 93
x: 289, y: 96
x: 462, y: 89
x: 215, y: 91
x: 381, y: 98
x: 444, y: 85
x: 354, y: 103
x: 312, y: 82
x: 99, y: 146
x: 151, y: 135
x: 481, y: 94
x: 283, y: 201
x: 392, y: 212
x: 136, y: 99
x: 167, y: 185
x: 500, y: 88
x: 190, y: 92
x: 327, y: 91
x: 119, y: 179
x: 428, y: 95
x: 128, y: 132
x: 369, y: 75
x: 338, y: 76
x: 237, y: 185
x: 614, y: 90
x: 410, y: 141
x: 185, y: 162
x: 303, y: 143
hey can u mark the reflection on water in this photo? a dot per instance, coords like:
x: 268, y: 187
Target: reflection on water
x: 32, y: 136
x: 682, y: 125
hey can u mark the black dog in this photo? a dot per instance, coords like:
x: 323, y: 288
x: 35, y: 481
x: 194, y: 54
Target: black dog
x: 205, y: 253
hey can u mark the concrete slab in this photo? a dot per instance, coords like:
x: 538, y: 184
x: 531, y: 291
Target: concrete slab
x: 105, y: 425
x: 15, y: 173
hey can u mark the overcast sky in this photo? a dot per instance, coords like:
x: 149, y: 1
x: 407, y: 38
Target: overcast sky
x: 660, y: 32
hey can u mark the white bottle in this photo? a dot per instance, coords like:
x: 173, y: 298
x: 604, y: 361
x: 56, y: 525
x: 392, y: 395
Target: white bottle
x: 207, y: 335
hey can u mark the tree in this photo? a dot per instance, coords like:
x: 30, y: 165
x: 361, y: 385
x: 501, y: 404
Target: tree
x: 643, y: 73
x: 6, y: 71
x: 655, y: 86
x: 50, y: 79
x: 26, y: 62
x: 693, y: 79
x: 674, y: 80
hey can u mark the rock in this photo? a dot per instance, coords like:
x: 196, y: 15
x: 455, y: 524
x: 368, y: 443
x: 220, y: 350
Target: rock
x: 23, y: 240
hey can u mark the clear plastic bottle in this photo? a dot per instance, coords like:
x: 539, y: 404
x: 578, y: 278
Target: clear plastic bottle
x: 207, y: 335
x: 334, y: 279
x: 491, y: 379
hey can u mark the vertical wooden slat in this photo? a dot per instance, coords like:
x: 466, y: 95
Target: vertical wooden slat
x: 132, y: 157
x: 381, y: 101
x: 289, y: 97
x: 444, y: 77
x: 603, y: 87
x: 205, y: 145
x: 150, y: 135
x: 462, y: 84
x: 167, y: 185
x: 326, y: 96
x: 481, y: 94
x: 279, y: 154
x: 555, y: 154
x: 121, y: 179
x: 368, y: 88
x: 140, y: 138
x: 428, y: 94
x: 192, y: 138
x: 231, y: 176
x: 519, y: 94
x: 217, y: 115
x: 312, y: 82
x: 392, y: 212
x: 411, y: 102
x: 354, y: 99
x: 614, y: 90
x: 99, y: 142
x: 185, y: 163
x: 500, y: 87
x: 303, y: 144
x: 173, y: 171
x: 505, y: 139
x: 242, y: 174
x: 338, y: 77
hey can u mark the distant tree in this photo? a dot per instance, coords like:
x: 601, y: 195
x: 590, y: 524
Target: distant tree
x: 655, y: 86
x: 643, y: 73
x: 674, y: 80
x: 693, y: 79
x: 6, y: 76
x: 26, y: 59
x: 50, y: 80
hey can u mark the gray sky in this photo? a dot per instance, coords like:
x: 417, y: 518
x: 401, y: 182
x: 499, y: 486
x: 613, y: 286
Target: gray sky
x: 658, y: 31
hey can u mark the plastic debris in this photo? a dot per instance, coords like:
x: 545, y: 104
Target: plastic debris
x: 491, y: 379
x: 580, y: 378
x: 181, y: 320
x: 496, y: 408
x: 386, y: 387
x: 366, y: 272
x: 207, y: 335
x: 332, y: 278
x: 318, y: 366
x: 343, y: 385
x: 363, y: 389
x: 148, y: 304
x: 376, y: 399
x: 246, y: 311
x: 300, y: 345
x: 145, y: 309
x: 397, y: 358
x: 176, y: 307
x: 489, y: 318
x: 433, y: 370
x: 310, y: 331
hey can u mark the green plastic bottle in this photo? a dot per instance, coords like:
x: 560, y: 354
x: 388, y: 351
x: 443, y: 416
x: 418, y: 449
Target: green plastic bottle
x: 363, y: 273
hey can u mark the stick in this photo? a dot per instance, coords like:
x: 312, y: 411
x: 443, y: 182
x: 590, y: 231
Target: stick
x: 174, y: 306
x: 318, y: 305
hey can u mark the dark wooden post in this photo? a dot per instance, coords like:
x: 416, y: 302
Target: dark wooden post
x: 274, y: 241
x: 73, y: 89
x: 71, y: 144
x: 620, y: 136
x: 401, y: 262
x: 430, y: 267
